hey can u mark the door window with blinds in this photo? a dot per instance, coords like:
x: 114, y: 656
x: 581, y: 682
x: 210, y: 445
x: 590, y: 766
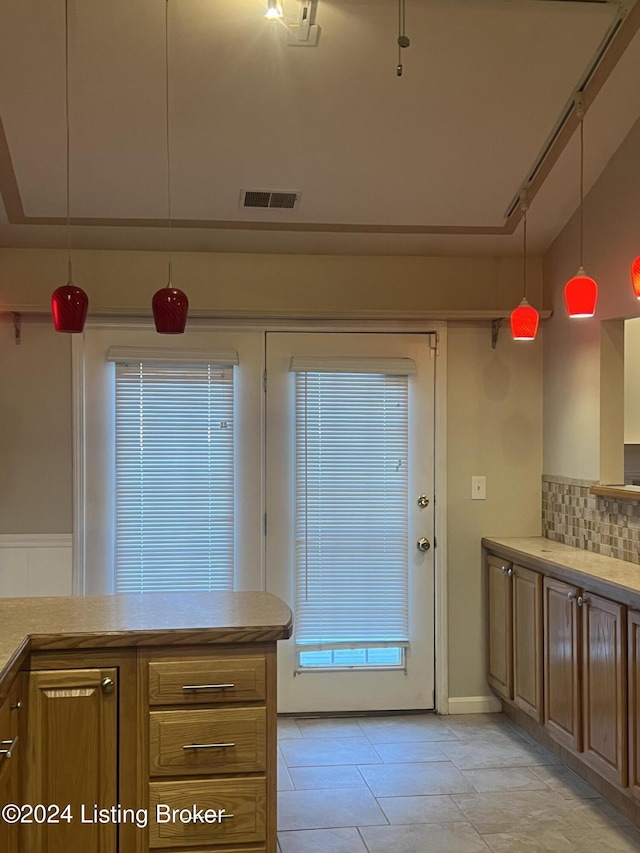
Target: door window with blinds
x: 351, y: 521
x: 174, y: 475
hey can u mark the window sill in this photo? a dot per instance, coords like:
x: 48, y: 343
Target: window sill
x: 618, y: 492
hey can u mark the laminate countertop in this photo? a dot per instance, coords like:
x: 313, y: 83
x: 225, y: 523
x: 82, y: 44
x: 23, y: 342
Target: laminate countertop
x: 124, y: 621
x: 605, y: 575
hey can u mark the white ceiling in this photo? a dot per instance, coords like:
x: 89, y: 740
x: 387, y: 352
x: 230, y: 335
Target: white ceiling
x: 447, y: 145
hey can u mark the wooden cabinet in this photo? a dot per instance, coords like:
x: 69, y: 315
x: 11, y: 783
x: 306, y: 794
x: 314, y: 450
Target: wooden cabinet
x: 634, y: 703
x: 562, y: 699
x: 585, y: 676
x: 210, y: 725
x: 500, y: 631
x: 515, y: 634
x: 604, y: 682
x: 11, y: 712
x: 72, y: 757
x: 527, y: 641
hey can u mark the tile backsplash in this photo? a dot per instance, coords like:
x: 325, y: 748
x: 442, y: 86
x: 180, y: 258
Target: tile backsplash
x: 573, y: 516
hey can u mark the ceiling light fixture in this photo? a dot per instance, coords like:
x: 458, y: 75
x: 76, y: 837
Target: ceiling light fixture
x: 581, y: 291
x: 170, y: 305
x: 635, y: 277
x: 524, y: 318
x: 69, y: 304
x: 274, y: 10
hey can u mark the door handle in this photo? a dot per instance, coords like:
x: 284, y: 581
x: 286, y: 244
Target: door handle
x: 423, y: 544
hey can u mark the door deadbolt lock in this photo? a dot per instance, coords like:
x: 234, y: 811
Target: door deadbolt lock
x: 423, y: 544
x: 108, y: 685
x: 423, y: 501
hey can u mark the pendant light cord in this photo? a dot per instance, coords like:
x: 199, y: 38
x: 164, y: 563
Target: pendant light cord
x: 403, y: 41
x: 166, y: 93
x: 66, y: 107
x: 524, y: 206
x: 581, y: 190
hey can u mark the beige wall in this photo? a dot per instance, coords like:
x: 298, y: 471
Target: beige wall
x: 573, y: 414
x: 632, y: 381
x: 494, y: 396
x: 494, y: 429
x: 271, y: 282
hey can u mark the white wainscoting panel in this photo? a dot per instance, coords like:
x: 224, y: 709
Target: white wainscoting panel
x: 35, y: 564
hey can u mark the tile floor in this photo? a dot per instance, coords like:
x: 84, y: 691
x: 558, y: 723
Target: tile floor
x: 428, y: 784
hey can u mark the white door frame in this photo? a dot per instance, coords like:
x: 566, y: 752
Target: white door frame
x: 309, y: 325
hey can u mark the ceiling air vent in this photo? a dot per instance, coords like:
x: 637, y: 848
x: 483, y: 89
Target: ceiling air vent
x: 276, y: 199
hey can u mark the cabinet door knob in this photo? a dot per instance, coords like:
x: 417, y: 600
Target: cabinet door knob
x: 108, y: 685
x: 510, y: 573
x: 571, y: 597
x: 582, y: 601
x: 16, y: 706
x: 503, y: 569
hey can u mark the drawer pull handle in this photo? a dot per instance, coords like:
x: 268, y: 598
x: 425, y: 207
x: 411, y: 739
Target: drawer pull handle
x: 196, y: 687
x: 11, y: 744
x: 208, y: 745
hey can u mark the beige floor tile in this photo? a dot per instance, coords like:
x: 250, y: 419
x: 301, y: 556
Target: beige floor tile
x: 400, y: 753
x: 328, y: 809
x: 618, y: 839
x: 406, y: 780
x: 565, y: 782
x: 518, y: 811
x: 315, y: 752
x: 480, y: 731
x: 322, y: 841
x: 330, y: 727
x: 288, y: 728
x: 409, y: 728
x: 505, y: 779
x: 494, y: 752
x: 340, y: 776
x: 284, y: 779
x: 424, y: 838
x: 435, y: 809
x: 529, y: 842
x: 598, y: 813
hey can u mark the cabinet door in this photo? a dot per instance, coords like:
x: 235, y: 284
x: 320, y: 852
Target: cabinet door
x: 562, y: 710
x: 527, y: 641
x: 10, y: 790
x: 72, y: 757
x: 499, y: 652
x: 634, y: 703
x: 604, y: 686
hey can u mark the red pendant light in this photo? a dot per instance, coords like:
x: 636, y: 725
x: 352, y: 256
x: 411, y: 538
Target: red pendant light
x: 581, y: 291
x: 524, y: 322
x: 635, y: 276
x: 69, y: 304
x: 170, y: 309
x: 524, y: 318
x: 581, y: 295
x: 170, y: 305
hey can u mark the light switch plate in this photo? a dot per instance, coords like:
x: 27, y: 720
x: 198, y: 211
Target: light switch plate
x: 478, y: 488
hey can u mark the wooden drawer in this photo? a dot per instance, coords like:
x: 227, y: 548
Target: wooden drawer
x: 245, y: 799
x: 241, y: 730
x: 208, y: 680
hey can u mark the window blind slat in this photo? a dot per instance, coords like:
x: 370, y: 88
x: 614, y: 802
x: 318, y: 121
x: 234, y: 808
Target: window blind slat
x: 351, y: 522
x: 174, y: 489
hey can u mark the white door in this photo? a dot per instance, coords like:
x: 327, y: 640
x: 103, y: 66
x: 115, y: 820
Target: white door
x: 350, y: 473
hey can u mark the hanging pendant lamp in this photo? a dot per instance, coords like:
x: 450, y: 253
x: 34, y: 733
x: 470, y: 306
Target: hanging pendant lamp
x: 581, y: 291
x: 69, y: 304
x: 524, y: 318
x: 170, y: 305
x: 635, y: 277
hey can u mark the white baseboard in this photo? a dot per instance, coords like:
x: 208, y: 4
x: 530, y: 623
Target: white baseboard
x: 474, y: 704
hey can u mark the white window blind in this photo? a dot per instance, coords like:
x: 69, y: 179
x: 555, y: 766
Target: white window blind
x: 174, y: 477
x: 351, y: 520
